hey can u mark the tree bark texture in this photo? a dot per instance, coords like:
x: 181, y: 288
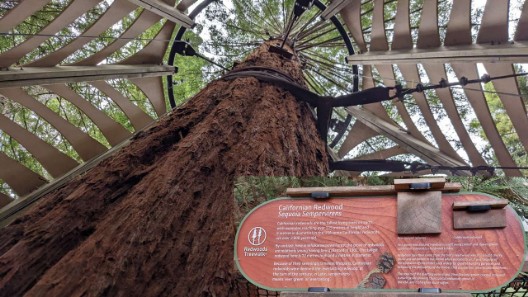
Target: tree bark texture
x: 156, y: 219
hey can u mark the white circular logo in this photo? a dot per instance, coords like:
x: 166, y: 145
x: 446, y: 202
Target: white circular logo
x: 257, y: 236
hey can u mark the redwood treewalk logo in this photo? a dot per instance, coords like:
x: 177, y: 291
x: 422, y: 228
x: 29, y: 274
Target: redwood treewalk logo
x: 257, y: 236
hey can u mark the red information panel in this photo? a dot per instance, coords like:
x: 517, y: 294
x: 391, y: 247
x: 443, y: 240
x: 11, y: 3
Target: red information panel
x: 352, y: 243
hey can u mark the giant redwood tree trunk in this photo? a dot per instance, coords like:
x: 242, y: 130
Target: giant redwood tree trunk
x: 156, y: 219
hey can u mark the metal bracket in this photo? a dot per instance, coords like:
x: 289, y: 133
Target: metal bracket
x: 320, y: 195
x: 281, y: 51
x: 419, y: 184
x: 318, y: 289
x: 429, y: 290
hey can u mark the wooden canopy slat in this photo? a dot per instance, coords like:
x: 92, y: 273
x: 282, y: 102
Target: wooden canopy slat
x: 521, y: 34
x: 359, y: 132
x: 378, y: 39
x: 494, y: 24
x: 117, y: 11
x: 86, y: 147
x: 459, y: 25
x: 4, y: 200
x: 376, y: 108
x: 428, y: 35
x: 410, y: 74
x: 478, y: 102
x: 351, y: 14
x: 383, y: 154
x: 54, y: 161
x: 138, y: 118
x: 112, y: 131
x: 436, y: 72
x: 402, y: 27
x: 19, y: 178
x: 389, y: 79
x: 74, y: 10
x: 185, y: 4
x: 508, y: 92
x: 333, y: 8
x: 166, y: 11
x: 152, y: 87
x: 154, y: 51
x: 145, y: 20
x: 20, y: 13
x: 421, y: 149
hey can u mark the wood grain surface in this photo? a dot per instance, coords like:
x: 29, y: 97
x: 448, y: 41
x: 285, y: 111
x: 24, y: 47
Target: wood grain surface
x: 419, y: 212
x: 493, y: 218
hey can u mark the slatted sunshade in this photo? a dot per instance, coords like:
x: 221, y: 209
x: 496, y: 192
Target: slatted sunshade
x: 92, y: 70
x: 393, y: 48
x: 88, y: 60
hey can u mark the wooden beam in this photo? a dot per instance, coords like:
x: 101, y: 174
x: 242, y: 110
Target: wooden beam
x: 28, y: 76
x: 166, y: 11
x: 515, y: 53
x: 359, y: 190
x: 18, y: 177
x: 410, y: 143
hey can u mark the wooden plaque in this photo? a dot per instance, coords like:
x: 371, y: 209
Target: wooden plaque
x: 353, y: 243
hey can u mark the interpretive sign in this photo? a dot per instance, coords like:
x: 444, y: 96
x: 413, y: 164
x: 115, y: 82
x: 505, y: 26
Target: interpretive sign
x: 349, y: 243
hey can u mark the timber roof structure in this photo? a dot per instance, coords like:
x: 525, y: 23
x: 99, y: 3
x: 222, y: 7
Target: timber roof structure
x: 93, y: 56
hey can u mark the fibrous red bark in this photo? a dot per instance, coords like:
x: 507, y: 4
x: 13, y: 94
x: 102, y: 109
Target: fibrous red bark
x: 156, y: 219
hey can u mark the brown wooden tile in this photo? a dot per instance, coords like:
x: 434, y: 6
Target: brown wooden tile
x: 494, y: 218
x: 419, y: 212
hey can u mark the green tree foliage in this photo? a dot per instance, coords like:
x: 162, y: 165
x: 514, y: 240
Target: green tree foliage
x: 192, y: 71
x: 504, y: 124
